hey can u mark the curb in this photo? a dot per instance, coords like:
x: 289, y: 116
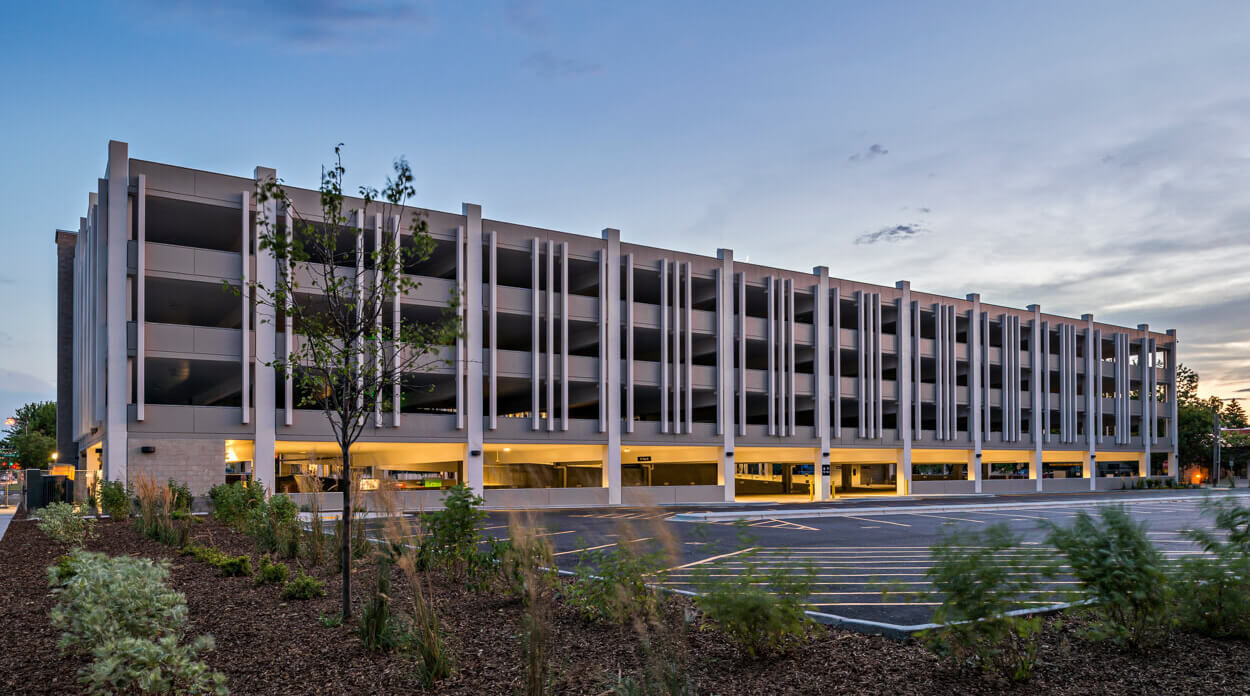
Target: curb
x: 880, y: 511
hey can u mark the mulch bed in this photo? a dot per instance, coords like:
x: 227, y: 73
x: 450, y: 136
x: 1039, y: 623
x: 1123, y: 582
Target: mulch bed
x: 267, y: 646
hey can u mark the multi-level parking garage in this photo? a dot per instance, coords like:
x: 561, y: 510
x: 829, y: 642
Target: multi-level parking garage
x: 591, y: 371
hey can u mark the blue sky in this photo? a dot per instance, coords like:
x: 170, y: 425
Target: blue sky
x: 1090, y: 157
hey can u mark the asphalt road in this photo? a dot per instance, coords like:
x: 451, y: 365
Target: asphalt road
x: 854, y: 555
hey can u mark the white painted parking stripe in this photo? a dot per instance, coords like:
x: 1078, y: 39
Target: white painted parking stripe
x: 865, y: 519
x: 713, y: 558
x: 602, y: 546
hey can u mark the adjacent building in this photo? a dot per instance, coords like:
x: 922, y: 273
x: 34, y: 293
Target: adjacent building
x: 592, y: 370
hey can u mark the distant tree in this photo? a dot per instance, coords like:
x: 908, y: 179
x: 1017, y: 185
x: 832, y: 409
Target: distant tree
x: 33, y: 437
x: 346, y: 356
x: 1233, y: 415
x: 1195, y: 422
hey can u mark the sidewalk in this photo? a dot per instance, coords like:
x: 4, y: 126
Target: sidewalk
x: 6, y: 514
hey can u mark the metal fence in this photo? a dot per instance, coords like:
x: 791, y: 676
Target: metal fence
x: 36, y: 488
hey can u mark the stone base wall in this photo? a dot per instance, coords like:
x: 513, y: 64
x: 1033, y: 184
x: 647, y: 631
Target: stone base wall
x: 201, y: 464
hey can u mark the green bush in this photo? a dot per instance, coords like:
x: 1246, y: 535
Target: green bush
x: 271, y: 573
x: 453, y: 533
x: 61, y: 570
x: 123, y: 613
x: 611, y: 585
x: 181, y: 494
x: 1213, y: 590
x: 66, y: 525
x: 979, y: 577
x: 115, y: 499
x: 1120, y: 570
x: 304, y: 586
x: 274, y: 524
x: 162, y: 666
x: 108, y: 599
x: 760, y: 609
x: 233, y: 503
x: 205, y: 554
x: 238, y: 566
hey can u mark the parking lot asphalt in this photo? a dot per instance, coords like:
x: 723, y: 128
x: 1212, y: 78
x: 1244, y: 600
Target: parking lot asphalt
x: 853, y: 556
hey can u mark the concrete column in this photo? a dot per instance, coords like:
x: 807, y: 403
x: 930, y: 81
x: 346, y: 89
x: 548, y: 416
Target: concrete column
x: 536, y: 251
x: 140, y: 286
x: 1173, y: 407
x: 878, y: 406
x: 1093, y: 404
x: 1145, y: 395
x: 725, y: 421
x: 1035, y: 472
x: 396, y: 319
x: 629, y: 343
x: 551, y: 336
x: 462, y: 309
x: 612, y: 388
x: 115, y: 235
x: 771, y: 380
x: 820, y: 412
x: 792, y: 423
x: 492, y: 317
x: 742, y: 352
x: 264, y: 403
x: 904, y: 388
x: 835, y: 367
x: 473, y: 463
x: 564, y: 336
x: 677, y: 343
x: 976, y: 356
x: 377, y: 322
x: 664, y: 394
x: 689, y: 348
x: 861, y: 350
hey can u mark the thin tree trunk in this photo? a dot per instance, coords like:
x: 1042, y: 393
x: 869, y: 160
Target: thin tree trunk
x: 345, y: 482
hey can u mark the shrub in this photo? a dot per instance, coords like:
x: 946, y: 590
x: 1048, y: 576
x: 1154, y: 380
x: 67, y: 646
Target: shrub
x: 760, y: 610
x: 205, y: 554
x: 452, y: 534
x: 66, y: 525
x: 271, y: 573
x: 1213, y: 591
x: 61, y: 570
x: 232, y: 504
x: 107, y: 599
x: 304, y: 586
x: 238, y: 566
x: 115, y: 499
x: 181, y: 495
x: 979, y: 577
x: 611, y: 585
x: 123, y: 613
x: 274, y: 524
x: 1119, y: 569
x: 162, y: 666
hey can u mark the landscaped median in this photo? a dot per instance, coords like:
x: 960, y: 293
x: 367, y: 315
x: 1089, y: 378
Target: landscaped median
x: 458, y: 615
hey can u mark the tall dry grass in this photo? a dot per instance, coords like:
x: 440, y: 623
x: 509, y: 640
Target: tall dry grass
x: 315, y: 542
x: 401, y: 538
x: 156, y: 505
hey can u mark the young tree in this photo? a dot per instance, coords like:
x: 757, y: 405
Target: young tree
x: 33, y: 437
x: 347, y: 355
